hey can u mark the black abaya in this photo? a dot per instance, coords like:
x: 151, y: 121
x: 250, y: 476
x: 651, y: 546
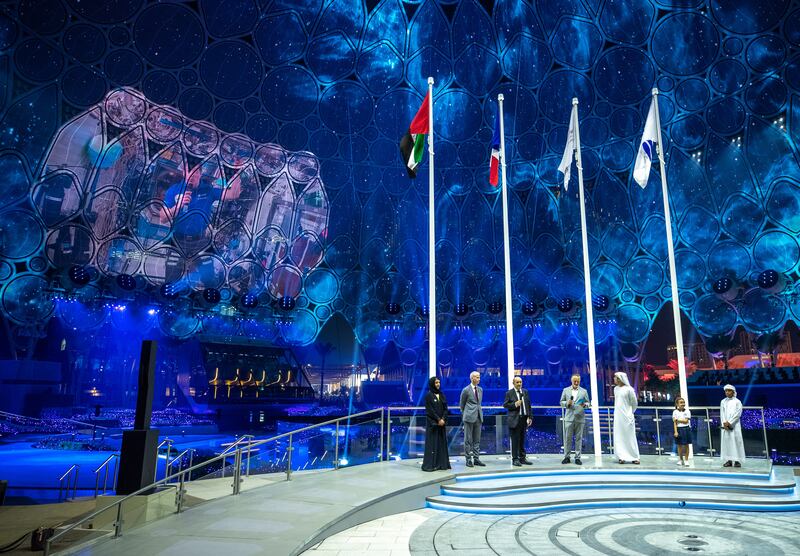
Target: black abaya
x: 436, y: 454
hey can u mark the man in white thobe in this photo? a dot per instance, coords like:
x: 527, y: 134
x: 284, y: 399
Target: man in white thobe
x: 731, y: 443
x: 625, y: 403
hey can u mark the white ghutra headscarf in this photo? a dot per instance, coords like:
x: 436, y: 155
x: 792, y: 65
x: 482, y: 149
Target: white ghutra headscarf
x: 623, y: 378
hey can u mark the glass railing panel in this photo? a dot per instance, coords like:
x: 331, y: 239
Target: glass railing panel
x: 697, y: 425
x: 360, y: 440
x: 752, y: 426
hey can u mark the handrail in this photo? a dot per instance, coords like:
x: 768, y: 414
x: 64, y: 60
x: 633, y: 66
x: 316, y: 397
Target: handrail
x: 74, y: 467
x: 68, y: 471
x: 237, y: 442
x: 179, y: 475
x: 105, y: 479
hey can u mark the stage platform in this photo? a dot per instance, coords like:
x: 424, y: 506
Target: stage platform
x: 290, y: 517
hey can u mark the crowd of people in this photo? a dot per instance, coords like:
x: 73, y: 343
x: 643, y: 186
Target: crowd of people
x: 574, y: 401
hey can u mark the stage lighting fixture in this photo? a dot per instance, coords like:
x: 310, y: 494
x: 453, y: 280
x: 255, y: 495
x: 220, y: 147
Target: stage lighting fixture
x: 126, y: 282
x: 287, y: 303
x: 211, y: 296
x: 461, y: 309
x: 170, y: 291
x: 495, y: 307
x: 392, y: 308
x: 79, y: 275
x: 723, y: 285
x: 249, y: 301
x: 529, y: 309
x: 768, y: 279
x: 566, y: 305
x: 601, y: 302
x: 423, y: 311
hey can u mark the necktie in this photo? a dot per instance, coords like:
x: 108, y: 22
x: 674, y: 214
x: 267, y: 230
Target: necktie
x: 476, y: 393
x: 521, y: 399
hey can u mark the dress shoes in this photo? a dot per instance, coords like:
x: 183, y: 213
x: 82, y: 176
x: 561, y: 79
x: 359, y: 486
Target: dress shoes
x: 469, y: 462
x: 578, y: 461
x: 565, y: 460
x: 479, y: 463
x: 737, y: 464
x: 727, y: 464
x: 516, y: 463
x: 526, y: 462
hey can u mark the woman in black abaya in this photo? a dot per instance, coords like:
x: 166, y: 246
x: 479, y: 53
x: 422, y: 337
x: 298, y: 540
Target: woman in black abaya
x: 436, y: 455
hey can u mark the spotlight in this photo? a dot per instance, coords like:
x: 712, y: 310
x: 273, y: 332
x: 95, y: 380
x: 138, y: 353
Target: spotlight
x: 424, y: 311
x: 249, y: 301
x: 152, y: 312
x: 495, y: 307
x: 211, y: 296
x: 126, y: 282
x: 170, y: 291
x: 601, y: 302
x: 287, y: 303
x: 392, y: 308
x: 79, y: 275
x: 529, y: 309
x: 566, y: 305
x: 768, y: 279
x: 461, y: 309
x: 723, y: 285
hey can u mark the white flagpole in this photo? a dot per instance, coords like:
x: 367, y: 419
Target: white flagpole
x: 673, y: 276
x: 506, y: 249
x: 431, y: 243
x: 587, y: 286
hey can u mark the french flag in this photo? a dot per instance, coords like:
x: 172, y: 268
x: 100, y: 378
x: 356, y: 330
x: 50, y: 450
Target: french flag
x: 494, y: 164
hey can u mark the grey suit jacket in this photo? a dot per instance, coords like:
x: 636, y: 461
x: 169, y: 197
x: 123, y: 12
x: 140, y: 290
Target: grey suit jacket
x: 574, y: 413
x: 471, y: 411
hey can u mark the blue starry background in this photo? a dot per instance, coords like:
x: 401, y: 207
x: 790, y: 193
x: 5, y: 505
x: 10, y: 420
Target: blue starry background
x: 342, y: 80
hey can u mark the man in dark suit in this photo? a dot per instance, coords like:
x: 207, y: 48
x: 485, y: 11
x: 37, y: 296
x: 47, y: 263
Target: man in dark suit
x: 518, y: 404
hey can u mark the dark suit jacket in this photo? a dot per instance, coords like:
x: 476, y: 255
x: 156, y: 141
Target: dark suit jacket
x: 513, y: 411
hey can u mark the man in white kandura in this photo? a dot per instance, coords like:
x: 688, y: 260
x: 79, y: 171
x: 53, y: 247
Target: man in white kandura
x: 625, y: 404
x: 730, y: 414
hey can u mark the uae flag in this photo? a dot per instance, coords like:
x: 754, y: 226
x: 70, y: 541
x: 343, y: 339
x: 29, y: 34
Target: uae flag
x: 412, y: 145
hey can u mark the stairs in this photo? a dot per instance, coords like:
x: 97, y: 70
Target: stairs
x: 524, y: 492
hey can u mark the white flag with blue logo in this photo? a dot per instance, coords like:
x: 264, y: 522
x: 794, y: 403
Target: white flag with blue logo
x: 647, y: 148
x: 569, y: 151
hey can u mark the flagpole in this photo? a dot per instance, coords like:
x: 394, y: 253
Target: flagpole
x: 673, y: 276
x: 506, y: 250
x: 431, y: 243
x: 587, y: 286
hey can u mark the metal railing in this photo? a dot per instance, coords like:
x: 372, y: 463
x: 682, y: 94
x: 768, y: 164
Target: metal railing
x: 168, y: 442
x: 70, y: 474
x: 104, y: 467
x: 178, y: 479
x: 244, y: 448
x: 179, y: 460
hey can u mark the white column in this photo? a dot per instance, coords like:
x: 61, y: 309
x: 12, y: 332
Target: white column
x: 506, y: 248
x: 587, y: 286
x: 431, y: 242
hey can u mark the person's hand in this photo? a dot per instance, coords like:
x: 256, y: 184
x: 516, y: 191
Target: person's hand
x: 530, y: 421
x: 676, y: 435
x: 517, y: 403
x: 569, y: 403
x: 726, y: 425
x: 441, y: 422
x: 185, y: 199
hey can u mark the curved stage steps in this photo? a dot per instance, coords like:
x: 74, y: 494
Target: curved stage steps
x: 544, y: 490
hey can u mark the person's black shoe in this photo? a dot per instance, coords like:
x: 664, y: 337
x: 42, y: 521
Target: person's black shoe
x: 578, y: 461
x: 727, y: 464
x: 526, y: 462
x: 737, y: 464
x: 469, y: 462
x: 479, y: 463
x: 516, y: 463
x: 565, y: 460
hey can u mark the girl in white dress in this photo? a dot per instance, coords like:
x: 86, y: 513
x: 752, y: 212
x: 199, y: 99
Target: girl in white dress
x: 625, y: 404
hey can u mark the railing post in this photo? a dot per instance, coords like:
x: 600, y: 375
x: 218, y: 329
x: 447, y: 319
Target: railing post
x: 169, y: 451
x: 97, y: 482
x: 75, y: 483
x: 382, y: 423
x: 659, y: 448
x: 610, y: 432
x: 237, y: 470
x: 388, y: 432
x: 336, y: 448
x: 764, y: 428
x: 179, y: 494
x: 289, y: 460
x: 249, y: 447
x: 708, y: 429
x: 118, y: 521
x: 191, y: 459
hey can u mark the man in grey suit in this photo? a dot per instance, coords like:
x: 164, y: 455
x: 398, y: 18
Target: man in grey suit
x: 574, y: 399
x: 472, y: 418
